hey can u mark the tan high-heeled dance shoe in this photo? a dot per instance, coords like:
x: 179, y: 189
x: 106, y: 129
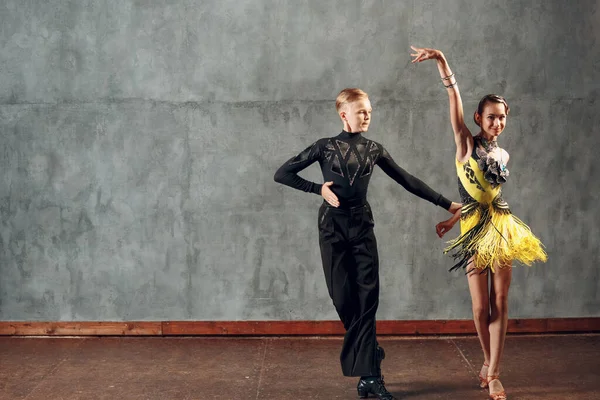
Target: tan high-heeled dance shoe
x: 483, y: 383
x: 497, y: 395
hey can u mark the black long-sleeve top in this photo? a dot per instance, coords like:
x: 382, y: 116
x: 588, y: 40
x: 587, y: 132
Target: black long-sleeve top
x: 348, y: 160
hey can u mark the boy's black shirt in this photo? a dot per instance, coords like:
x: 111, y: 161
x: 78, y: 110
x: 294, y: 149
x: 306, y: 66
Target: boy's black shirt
x: 348, y: 160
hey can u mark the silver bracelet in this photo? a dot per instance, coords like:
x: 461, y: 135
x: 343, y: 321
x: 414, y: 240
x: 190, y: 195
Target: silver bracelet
x: 451, y: 85
x: 448, y: 77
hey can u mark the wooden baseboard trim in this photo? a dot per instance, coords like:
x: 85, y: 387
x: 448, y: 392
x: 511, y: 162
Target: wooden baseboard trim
x: 425, y: 327
x: 283, y: 328
x: 80, y: 328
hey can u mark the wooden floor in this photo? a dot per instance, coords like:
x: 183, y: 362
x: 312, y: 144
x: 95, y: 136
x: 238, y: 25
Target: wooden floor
x: 548, y: 367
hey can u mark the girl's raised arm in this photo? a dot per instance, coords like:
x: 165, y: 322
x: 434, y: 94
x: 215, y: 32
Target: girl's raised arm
x: 462, y: 135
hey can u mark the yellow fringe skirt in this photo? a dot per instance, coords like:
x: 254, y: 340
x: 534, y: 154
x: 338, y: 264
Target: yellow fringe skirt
x: 493, y: 237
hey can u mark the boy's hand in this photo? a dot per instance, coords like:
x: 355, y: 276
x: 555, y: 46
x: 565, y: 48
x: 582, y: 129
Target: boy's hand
x: 454, y: 207
x: 328, y: 195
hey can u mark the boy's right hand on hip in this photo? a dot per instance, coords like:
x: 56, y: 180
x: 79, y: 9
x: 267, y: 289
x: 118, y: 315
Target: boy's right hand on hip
x: 328, y: 195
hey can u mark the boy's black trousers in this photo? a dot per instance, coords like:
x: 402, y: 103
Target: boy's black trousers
x: 351, y: 267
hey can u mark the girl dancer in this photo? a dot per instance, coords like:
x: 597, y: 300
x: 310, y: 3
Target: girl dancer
x: 491, y: 236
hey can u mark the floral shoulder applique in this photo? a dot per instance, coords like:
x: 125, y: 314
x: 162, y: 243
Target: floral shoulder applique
x: 494, y: 172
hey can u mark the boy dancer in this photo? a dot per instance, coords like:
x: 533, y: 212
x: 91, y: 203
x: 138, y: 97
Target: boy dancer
x: 346, y: 238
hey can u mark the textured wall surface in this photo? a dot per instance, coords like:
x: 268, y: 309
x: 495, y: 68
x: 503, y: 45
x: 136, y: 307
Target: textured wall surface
x: 139, y: 141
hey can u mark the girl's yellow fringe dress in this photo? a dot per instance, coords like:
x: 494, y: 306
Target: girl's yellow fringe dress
x: 490, y: 233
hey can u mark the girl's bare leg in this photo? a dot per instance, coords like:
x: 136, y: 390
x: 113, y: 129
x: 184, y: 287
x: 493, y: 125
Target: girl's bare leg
x: 478, y: 287
x: 500, y: 283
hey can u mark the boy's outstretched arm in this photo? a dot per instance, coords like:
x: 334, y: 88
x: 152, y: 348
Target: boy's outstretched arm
x: 413, y: 184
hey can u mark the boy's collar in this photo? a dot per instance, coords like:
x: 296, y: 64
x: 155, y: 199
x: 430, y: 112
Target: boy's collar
x: 349, y: 135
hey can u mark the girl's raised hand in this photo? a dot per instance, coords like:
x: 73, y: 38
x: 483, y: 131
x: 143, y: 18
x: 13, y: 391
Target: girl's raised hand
x: 422, y: 54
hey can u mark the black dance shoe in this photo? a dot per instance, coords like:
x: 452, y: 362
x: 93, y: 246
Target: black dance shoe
x: 374, y: 386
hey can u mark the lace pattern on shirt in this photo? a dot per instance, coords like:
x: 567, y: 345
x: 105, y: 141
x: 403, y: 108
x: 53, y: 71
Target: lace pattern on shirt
x: 351, y: 160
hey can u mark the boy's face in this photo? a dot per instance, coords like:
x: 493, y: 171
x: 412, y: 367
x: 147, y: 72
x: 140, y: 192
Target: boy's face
x: 357, y: 115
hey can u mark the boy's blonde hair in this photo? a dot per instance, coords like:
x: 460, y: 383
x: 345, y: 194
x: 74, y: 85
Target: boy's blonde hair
x: 348, y: 95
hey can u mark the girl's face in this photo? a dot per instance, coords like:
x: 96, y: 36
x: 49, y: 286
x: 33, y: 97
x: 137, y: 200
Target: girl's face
x: 492, y: 120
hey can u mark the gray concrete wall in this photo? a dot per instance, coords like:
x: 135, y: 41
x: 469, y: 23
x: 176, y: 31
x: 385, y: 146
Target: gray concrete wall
x: 139, y: 142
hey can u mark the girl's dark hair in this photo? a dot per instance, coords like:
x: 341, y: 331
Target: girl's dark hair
x: 490, y: 98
